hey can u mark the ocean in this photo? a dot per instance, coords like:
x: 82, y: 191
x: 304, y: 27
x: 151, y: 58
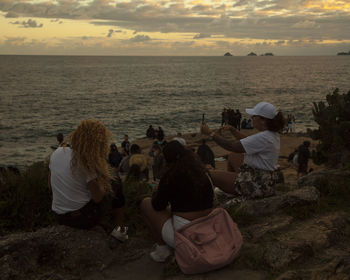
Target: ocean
x: 43, y: 95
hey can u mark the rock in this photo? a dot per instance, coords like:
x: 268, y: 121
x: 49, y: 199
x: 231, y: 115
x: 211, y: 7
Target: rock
x: 282, y: 254
x: 270, y: 205
x: 58, y: 249
x: 290, y: 275
x: 337, y: 269
x: 257, y: 231
x: 307, y: 238
x: 324, y: 177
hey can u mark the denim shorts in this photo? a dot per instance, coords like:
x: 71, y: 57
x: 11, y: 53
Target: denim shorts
x: 168, y: 229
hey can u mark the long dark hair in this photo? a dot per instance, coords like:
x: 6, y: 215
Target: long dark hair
x: 277, y: 123
x: 183, y: 162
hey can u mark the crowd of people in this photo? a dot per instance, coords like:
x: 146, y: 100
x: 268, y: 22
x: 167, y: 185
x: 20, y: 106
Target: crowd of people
x: 87, y: 171
x: 234, y: 118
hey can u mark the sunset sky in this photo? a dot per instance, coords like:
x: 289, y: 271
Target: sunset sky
x: 174, y: 27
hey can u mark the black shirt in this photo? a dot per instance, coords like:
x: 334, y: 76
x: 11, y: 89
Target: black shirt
x: 183, y: 194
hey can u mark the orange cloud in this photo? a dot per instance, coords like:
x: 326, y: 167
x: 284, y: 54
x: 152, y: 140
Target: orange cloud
x: 328, y: 5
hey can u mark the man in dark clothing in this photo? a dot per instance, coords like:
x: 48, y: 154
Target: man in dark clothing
x: 303, y: 158
x: 206, y: 154
x: 150, y: 133
x: 126, y: 145
x: 160, y: 133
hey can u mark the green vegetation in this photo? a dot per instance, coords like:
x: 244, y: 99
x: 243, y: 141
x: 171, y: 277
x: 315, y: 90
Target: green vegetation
x: 135, y: 191
x: 334, y: 130
x: 25, y: 200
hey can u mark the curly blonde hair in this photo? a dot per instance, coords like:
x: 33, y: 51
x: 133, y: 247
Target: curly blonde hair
x: 90, y: 145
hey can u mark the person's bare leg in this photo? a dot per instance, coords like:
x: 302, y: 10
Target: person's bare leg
x: 234, y: 162
x: 224, y: 180
x: 154, y: 219
x: 118, y: 214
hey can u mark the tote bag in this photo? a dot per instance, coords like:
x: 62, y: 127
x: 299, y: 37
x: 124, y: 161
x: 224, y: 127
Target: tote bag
x: 207, y: 243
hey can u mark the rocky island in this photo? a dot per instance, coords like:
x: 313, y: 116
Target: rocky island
x: 343, y: 53
x: 228, y: 54
x: 252, y: 54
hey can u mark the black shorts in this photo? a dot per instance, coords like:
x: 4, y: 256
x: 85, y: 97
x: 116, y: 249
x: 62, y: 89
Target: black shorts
x: 91, y: 213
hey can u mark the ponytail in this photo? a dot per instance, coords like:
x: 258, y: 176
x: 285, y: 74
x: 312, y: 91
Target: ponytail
x: 277, y: 123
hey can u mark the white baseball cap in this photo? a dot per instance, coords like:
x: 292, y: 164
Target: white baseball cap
x: 264, y: 109
x: 180, y: 140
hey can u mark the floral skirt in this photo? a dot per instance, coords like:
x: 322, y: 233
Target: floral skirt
x: 255, y: 183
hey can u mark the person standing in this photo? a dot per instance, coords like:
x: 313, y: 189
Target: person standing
x: 150, y: 133
x: 126, y: 145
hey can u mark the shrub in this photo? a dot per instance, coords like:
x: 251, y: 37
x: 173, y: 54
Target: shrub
x: 25, y: 199
x: 334, y: 130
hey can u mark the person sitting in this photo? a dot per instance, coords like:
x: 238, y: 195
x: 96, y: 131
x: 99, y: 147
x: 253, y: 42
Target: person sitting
x: 303, y: 158
x: 206, y: 154
x: 80, y: 179
x: 252, y: 167
x: 114, y: 157
x: 244, y: 124
x: 249, y: 124
x: 151, y: 133
x: 141, y: 161
x: 187, y: 188
x: 158, y: 166
x: 60, y: 139
x: 180, y: 139
x: 160, y: 141
x: 124, y: 164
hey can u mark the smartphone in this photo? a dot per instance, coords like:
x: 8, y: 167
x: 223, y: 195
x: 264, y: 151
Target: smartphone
x: 203, y: 117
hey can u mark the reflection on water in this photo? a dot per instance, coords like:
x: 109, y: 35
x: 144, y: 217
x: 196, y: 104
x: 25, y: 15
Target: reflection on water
x: 43, y: 95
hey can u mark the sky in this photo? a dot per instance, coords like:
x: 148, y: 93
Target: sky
x: 174, y: 27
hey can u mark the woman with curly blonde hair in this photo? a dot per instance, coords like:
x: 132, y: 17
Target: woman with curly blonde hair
x: 80, y: 177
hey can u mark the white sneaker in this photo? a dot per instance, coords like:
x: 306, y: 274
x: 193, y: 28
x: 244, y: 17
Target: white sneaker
x: 119, y: 234
x: 161, y: 253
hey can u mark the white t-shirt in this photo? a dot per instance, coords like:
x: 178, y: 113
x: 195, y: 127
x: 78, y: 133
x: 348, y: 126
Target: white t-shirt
x: 70, y: 191
x: 262, y: 150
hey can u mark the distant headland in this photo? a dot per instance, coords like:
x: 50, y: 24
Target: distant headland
x: 343, y: 53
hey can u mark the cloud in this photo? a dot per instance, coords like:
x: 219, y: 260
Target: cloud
x: 139, y: 39
x: 305, y: 24
x: 201, y: 36
x: 29, y: 23
x: 277, y: 20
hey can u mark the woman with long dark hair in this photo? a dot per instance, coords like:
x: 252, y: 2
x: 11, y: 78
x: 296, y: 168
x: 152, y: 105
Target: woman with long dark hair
x: 184, y: 193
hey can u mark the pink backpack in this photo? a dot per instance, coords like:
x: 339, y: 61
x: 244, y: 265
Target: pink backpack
x: 207, y: 243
